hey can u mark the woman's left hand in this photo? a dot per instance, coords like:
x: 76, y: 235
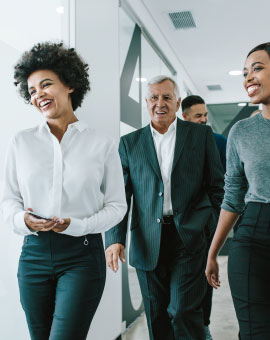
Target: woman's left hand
x: 62, y: 224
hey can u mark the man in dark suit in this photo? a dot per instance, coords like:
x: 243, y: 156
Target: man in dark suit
x: 194, y: 110
x: 173, y: 172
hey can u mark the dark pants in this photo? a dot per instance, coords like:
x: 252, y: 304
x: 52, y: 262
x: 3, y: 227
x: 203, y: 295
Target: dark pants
x: 173, y: 292
x: 249, y: 272
x: 61, y: 280
x: 207, y: 305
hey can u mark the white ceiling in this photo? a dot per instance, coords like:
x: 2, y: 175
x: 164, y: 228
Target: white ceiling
x: 226, y: 31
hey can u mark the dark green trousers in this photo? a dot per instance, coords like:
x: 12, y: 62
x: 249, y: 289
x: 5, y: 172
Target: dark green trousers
x: 249, y: 272
x: 61, y: 280
x: 173, y: 292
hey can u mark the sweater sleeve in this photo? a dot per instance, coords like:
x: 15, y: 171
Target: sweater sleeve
x: 236, y: 184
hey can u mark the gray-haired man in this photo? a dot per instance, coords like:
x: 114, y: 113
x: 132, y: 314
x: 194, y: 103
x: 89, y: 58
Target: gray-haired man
x: 173, y: 171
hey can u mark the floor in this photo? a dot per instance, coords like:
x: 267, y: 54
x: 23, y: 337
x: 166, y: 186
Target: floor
x: 223, y: 320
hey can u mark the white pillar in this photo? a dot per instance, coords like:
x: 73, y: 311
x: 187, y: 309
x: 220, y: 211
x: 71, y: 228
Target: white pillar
x: 97, y: 41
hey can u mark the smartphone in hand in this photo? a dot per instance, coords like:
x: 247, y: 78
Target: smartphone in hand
x: 39, y: 216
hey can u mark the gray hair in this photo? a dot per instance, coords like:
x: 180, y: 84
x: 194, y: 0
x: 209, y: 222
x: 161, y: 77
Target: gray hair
x: 161, y: 79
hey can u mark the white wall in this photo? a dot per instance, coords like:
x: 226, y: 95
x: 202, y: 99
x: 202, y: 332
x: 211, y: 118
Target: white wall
x: 97, y: 40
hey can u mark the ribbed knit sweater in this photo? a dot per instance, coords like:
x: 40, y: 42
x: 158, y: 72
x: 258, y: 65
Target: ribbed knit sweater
x: 248, y: 164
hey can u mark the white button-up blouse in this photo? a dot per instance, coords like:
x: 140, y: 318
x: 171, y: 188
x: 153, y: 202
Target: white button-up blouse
x: 80, y: 178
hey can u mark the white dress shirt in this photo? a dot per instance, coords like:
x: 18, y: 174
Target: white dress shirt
x: 165, y: 145
x: 80, y: 178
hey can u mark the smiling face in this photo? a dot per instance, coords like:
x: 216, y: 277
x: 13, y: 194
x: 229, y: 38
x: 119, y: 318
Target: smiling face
x: 49, y: 95
x: 257, y: 77
x: 162, y: 105
x: 197, y: 113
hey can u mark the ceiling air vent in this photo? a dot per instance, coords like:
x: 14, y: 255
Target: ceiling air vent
x: 182, y: 20
x: 214, y: 87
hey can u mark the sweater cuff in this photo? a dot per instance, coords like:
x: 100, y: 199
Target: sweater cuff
x: 228, y: 207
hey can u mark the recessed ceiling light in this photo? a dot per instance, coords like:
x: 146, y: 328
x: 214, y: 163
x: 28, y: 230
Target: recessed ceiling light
x: 235, y: 73
x: 60, y: 9
x: 143, y: 80
x: 242, y: 104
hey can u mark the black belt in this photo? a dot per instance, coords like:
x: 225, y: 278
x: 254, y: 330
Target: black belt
x: 167, y: 219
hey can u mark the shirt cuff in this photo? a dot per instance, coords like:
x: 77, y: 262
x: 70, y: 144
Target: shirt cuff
x: 77, y: 227
x: 20, y: 225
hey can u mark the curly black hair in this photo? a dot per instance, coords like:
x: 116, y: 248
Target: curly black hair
x: 65, y: 62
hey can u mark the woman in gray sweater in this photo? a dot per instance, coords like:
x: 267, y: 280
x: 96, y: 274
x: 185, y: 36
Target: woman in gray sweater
x: 247, y: 194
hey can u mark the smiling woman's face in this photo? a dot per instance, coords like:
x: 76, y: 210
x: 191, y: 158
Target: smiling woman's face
x: 257, y: 77
x: 48, y: 94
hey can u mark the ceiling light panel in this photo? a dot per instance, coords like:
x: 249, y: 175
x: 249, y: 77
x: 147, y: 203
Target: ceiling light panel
x: 235, y: 73
x: 182, y: 20
x: 60, y: 9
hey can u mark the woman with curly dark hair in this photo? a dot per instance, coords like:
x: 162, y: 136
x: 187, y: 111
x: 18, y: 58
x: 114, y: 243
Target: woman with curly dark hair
x: 63, y: 187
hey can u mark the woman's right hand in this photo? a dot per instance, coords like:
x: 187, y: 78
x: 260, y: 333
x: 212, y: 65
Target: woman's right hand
x: 227, y: 220
x: 37, y: 224
x: 212, y: 272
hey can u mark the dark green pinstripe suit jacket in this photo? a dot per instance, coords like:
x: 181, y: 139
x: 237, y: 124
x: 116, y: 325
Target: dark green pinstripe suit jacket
x: 196, y: 191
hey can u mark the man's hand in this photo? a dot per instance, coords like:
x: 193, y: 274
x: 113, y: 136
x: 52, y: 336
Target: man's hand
x: 112, y: 253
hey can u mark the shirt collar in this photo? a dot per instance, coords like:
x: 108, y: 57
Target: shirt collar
x: 171, y: 128
x: 79, y: 125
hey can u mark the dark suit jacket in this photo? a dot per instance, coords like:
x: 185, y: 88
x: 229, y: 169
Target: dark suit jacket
x: 196, y: 189
x: 221, y: 142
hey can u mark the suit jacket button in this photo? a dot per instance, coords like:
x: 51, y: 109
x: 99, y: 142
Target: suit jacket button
x: 158, y: 220
x: 160, y: 194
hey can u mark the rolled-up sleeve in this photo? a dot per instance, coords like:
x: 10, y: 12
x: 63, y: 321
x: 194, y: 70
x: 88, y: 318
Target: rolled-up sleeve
x: 236, y: 184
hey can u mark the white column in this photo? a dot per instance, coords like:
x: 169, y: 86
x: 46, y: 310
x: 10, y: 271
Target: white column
x: 97, y: 41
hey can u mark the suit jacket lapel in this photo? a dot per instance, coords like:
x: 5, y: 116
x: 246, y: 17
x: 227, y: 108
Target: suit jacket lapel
x: 150, y: 150
x: 182, y: 131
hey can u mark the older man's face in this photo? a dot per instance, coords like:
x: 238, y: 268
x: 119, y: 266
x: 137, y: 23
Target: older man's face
x: 162, y: 105
x: 196, y: 113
